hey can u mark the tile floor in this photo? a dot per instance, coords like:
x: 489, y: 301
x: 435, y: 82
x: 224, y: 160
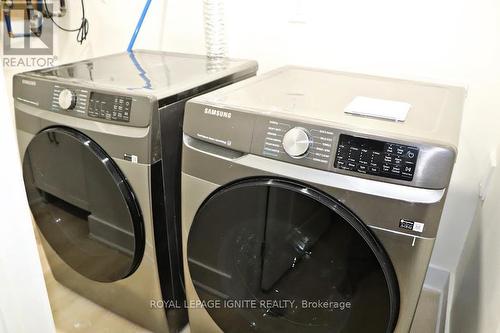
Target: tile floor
x: 74, y: 313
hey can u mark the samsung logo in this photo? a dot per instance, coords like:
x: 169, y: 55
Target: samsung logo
x: 217, y: 113
x: 29, y: 82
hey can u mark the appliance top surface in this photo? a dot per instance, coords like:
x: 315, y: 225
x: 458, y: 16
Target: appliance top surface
x: 302, y: 93
x: 155, y: 73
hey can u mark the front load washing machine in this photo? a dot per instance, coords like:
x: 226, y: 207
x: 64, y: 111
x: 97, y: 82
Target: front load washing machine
x: 300, y: 213
x: 101, y: 142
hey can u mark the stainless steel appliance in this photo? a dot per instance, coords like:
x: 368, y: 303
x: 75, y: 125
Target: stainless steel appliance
x: 303, y: 210
x: 101, y: 143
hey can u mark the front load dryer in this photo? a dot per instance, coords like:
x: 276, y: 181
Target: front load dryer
x: 311, y: 200
x: 101, y: 142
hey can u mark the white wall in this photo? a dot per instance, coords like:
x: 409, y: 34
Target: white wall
x: 24, y: 306
x: 447, y: 40
x: 112, y: 23
x: 477, y: 294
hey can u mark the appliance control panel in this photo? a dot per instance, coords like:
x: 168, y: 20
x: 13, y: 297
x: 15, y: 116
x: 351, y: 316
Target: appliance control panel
x: 320, y: 145
x: 69, y: 99
x: 332, y: 149
x: 90, y: 103
x: 377, y: 158
x: 313, y: 146
x: 109, y: 107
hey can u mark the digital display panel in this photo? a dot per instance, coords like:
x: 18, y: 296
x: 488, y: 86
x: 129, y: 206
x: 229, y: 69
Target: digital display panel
x: 375, y: 157
x: 109, y: 107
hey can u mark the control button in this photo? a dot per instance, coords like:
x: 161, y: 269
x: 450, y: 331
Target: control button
x: 67, y: 99
x: 351, y: 166
x: 408, y: 169
x: 400, y: 150
x: 374, y: 170
x: 362, y: 168
x: 354, y: 154
x: 386, y: 168
x: 397, y: 159
x: 296, y: 142
x: 342, y: 151
x: 395, y: 170
x: 390, y: 148
x: 388, y: 159
x: 341, y: 164
x: 365, y: 157
x: 377, y: 158
x: 411, y: 154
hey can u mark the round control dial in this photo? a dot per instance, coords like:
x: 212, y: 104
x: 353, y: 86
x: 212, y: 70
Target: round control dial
x: 67, y: 99
x: 296, y: 142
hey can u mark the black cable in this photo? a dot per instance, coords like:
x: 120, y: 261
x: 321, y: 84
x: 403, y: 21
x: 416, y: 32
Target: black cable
x: 83, y: 29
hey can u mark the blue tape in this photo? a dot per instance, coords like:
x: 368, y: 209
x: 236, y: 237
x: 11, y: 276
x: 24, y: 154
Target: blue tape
x: 138, y: 26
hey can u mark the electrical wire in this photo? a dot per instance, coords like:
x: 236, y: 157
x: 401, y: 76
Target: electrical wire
x: 83, y: 29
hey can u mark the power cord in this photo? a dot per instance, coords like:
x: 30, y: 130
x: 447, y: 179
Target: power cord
x: 83, y: 29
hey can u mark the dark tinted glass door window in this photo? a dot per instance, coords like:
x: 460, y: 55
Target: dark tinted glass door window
x: 273, y: 256
x: 83, y: 205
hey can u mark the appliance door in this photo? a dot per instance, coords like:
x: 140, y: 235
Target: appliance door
x: 83, y: 204
x: 272, y: 255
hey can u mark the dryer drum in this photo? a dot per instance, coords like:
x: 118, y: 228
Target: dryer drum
x: 272, y: 255
x: 83, y: 205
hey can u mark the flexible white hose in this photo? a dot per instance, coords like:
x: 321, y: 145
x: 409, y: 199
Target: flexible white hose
x: 215, y: 36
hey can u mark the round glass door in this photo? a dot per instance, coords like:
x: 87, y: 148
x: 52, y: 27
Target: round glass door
x: 271, y: 255
x: 83, y: 205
